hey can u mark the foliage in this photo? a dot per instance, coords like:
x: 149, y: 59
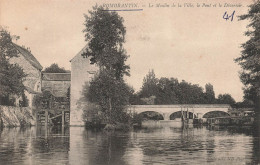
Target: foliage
x: 24, y: 102
x: 8, y: 100
x: 110, y: 94
x: 134, y: 98
x: 136, y: 119
x: 209, y: 94
x: 190, y: 93
x: 105, y: 34
x: 36, y: 101
x: 250, y: 55
x: 171, y: 91
x: 167, y: 91
x: 42, y: 100
x: 54, y: 68
x: 92, y: 113
x: 225, y: 99
x: 244, y: 104
x: 151, y: 115
x: 149, y: 87
x: 11, y: 75
x: 148, y: 100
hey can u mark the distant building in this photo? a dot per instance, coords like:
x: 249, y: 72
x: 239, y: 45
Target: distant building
x: 81, y: 72
x: 57, y: 83
x: 32, y: 68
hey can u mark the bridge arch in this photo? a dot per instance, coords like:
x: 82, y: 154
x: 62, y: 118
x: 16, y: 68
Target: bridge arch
x: 178, y: 114
x: 215, y: 113
x: 166, y: 110
x: 151, y: 115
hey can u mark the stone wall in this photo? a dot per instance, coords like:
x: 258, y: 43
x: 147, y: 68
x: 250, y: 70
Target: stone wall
x: 16, y: 116
x: 81, y: 72
x: 33, y: 78
x: 33, y: 74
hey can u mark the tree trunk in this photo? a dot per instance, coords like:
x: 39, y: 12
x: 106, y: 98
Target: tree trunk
x: 257, y: 115
x: 110, y: 109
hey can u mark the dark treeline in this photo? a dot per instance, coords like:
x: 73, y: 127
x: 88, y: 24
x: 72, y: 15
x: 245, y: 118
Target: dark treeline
x: 172, y: 91
x: 55, y: 68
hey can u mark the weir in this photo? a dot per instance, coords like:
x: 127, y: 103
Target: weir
x: 48, y: 117
x: 52, y: 110
x: 162, y: 123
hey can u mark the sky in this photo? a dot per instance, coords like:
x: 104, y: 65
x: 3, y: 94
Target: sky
x: 194, y: 44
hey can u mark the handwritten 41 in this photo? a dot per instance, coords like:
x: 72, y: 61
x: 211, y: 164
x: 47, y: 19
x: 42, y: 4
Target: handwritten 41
x: 226, y: 16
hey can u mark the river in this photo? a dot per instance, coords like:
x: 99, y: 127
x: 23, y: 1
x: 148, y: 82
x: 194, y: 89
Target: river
x: 162, y: 145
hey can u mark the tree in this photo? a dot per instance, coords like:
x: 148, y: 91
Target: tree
x: 244, y: 104
x: 170, y: 91
x: 149, y: 87
x: 43, y: 100
x: 209, y: 94
x: 110, y: 94
x: 105, y: 34
x: 167, y: 89
x: 225, y: 99
x: 11, y: 75
x: 134, y: 98
x: 250, y: 55
x: 190, y: 93
x: 54, y: 68
x: 24, y: 102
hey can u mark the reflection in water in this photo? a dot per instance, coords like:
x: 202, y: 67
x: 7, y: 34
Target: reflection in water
x: 161, y: 145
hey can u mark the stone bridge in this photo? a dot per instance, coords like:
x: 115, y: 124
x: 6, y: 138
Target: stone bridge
x: 199, y: 110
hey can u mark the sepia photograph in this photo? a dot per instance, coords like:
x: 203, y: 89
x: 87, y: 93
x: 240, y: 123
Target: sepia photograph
x: 120, y: 82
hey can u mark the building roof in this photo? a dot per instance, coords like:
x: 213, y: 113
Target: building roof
x: 56, y: 76
x: 28, y: 56
x: 79, y: 53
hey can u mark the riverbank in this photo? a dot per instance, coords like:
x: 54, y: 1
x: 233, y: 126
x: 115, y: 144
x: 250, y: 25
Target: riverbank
x: 16, y: 116
x: 218, y: 121
x: 240, y: 121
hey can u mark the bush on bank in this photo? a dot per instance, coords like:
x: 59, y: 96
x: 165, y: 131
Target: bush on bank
x: 95, y: 118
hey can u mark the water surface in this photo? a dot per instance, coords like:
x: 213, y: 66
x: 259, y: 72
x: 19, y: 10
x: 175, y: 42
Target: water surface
x: 161, y: 145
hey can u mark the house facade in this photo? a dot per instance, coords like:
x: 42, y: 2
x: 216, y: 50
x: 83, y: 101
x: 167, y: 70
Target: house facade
x: 32, y: 68
x: 82, y: 72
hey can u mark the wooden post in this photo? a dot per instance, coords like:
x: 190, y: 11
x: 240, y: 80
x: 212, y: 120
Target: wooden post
x: 63, y: 122
x: 46, y: 124
x: 36, y: 118
x: 0, y: 120
x: 181, y: 114
x: 188, y: 116
x: 63, y: 119
x: 46, y: 119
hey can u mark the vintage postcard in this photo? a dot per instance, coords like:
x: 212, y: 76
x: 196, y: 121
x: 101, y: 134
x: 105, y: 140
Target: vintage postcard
x: 88, y: 82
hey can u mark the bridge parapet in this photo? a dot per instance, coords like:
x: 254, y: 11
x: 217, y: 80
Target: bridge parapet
x: 167, y: 110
